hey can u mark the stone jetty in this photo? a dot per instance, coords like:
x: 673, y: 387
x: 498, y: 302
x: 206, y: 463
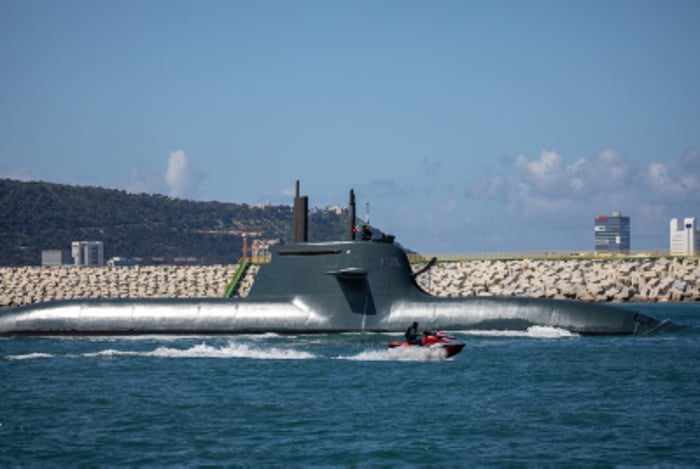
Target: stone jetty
x: 619, y: 280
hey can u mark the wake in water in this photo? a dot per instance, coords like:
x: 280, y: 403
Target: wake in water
x: 30, y: 356
x: 258, y: 347
x: 407, y: 354
x: 533, y: 332
x: 240, y: 350
x: 230, y: 350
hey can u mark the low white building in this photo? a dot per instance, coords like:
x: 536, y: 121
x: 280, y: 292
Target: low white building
x: 685, y: 237
x: 55, y: 257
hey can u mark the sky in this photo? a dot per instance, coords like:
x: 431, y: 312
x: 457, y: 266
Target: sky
x: 467, y: 126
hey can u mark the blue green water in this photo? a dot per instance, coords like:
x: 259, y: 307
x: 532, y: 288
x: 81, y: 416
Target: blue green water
x: 536, y: 398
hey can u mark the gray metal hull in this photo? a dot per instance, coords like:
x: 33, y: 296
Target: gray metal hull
x: 146, y: 316
x: 324, y: 287
x: 514, y: 314
x: 296, y: 316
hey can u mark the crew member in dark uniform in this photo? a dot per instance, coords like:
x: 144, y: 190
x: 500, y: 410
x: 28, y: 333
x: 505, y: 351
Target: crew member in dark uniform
x: 366, y: 233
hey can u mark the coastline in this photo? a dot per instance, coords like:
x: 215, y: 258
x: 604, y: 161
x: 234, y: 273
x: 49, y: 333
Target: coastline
x: 643, y: 280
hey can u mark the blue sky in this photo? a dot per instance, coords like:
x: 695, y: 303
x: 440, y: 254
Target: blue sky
x: 467, y: 126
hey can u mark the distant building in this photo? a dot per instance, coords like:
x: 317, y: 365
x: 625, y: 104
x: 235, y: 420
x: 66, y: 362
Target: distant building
x: 685, y: 237
x: 612, y: 233
x: 337, y: 209
x: 88, y: 253
x: 266, y: 204
x: 55, y: 257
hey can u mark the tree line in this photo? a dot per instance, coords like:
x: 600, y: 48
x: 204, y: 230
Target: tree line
x: 37, y: 216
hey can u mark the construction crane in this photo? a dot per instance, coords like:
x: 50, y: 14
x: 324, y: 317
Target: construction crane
x: 245, y: 234
x: 247, y: 250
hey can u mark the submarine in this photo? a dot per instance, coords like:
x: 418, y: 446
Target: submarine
x: 352, y: 285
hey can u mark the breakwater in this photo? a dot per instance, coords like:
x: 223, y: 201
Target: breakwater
x: 620, y: 280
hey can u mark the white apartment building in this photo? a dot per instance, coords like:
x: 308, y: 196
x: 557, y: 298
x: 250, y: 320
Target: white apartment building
x: 685, y: 237
x: 88, y: 253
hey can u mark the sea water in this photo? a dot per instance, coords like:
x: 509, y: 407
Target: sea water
x: 540, y: 397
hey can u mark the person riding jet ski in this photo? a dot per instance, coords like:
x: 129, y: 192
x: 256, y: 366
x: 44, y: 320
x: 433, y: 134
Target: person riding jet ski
x: 412, y: 334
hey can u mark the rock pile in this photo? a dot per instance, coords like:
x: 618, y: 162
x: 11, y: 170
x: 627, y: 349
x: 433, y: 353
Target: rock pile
x: 26, y: 285
x: 644, y: 280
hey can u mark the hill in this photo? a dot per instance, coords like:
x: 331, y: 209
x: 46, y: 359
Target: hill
x: 36, y: 216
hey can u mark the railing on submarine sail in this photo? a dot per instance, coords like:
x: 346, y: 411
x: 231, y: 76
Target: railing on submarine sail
x: 258, y: 258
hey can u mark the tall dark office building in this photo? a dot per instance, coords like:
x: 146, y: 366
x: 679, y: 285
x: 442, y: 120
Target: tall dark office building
x: 612, y: 233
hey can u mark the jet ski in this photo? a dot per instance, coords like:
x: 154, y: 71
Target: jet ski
x: 433, y: 340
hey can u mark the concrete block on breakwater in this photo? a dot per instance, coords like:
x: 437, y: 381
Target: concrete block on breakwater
x: 621, y: 280
x: 26, y: 285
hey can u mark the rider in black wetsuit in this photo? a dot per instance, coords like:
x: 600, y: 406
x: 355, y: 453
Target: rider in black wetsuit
x: 412, y: 334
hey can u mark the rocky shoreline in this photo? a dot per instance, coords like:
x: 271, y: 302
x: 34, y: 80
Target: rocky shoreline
x: 623, y: 280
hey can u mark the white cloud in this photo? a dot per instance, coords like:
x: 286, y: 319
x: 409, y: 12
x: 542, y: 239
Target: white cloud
x: 558, y: 194
x: 545, y: 174
x: 181, y: 177
x: 607, y: 171
x: 551, y: 176
x: 549, y: 184
x: 677, y: 182
x: 660, y: 179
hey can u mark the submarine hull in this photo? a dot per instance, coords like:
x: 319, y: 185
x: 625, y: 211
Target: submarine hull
x: 236, y: 317
x: 516, y: 314
x: 317, y: 288
x: 160, y: 316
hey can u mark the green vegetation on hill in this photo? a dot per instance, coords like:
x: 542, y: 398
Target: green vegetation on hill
x: 36, y: 216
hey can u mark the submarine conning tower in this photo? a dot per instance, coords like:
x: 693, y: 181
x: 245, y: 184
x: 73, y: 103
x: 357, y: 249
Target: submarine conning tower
x: 351, y: 278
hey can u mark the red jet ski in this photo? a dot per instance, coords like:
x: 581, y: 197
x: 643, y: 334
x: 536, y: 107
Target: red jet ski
x: 440, y: 339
